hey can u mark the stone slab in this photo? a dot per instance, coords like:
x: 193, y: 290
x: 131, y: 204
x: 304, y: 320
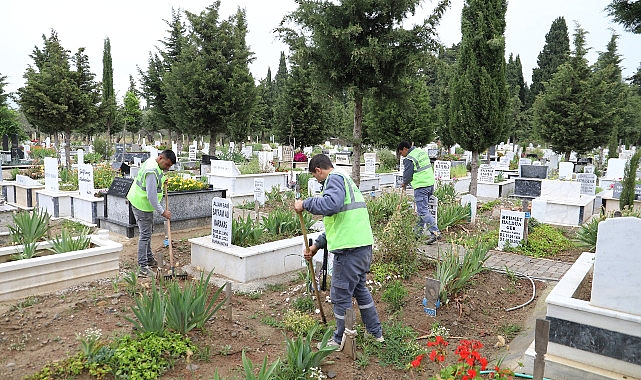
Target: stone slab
x: 616, y: 280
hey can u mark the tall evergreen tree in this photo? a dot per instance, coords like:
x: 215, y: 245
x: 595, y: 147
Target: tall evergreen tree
x: 209, y: 88
x: 108, y: 106
x: 55, y: 97
x: 358, y: 46
x: 608, y: 70
x: 572, y: 114
x: 131, y: 112
x: 555, y: 52
x: 479, y: 93
x: 445, y: 68
x: 265, y: 106
x: 626, y: 13
x: 8, y: 118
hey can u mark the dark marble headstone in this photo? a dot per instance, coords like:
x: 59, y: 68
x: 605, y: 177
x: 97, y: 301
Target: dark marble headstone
x: 5, y: 142
x: 534, y: 171
x: 129, y: 156
x: 122, y: 167
x: 120, y: 187
x: 618, y: 188
x: 527, y: 187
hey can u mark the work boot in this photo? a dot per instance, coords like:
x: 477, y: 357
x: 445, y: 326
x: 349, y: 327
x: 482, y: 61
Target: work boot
x: 146, y: 272
x: 435, y: 236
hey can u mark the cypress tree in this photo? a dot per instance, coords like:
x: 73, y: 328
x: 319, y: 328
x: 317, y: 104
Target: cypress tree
x: 555, y: 52
x: 479, y: 95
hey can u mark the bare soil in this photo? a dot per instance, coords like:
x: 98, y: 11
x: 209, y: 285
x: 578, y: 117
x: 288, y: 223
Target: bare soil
x: 42, y: 329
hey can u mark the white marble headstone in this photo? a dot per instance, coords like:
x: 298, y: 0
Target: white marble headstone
x: 565, y: 170
x: 486, y: 174
x: 511, y: 228
x: 222, y: 167
x: 259, y: 191
x: 616, y: 168
x: 85, y: 180
x: 370, y: 163
x: 442, y: 169
x: 51, y: 174
x: 588, y: 183
x: 472, y: 201
x: 616, y: 281
x: 80, y: 154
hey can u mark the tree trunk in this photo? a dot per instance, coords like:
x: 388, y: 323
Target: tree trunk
x: 357, y: 138
x: 212, y: 143
x: 474, y: 172
x: 68, y: 147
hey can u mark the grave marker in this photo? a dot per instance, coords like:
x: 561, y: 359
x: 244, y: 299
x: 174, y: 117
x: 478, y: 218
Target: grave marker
x: 511, y: 228
x: 221, y: 220
x: 259, y: 191
x: 51, y: 174
x: 431, y: 297
x: 588, y: 183
x: 370, y: 163
x: 85, y: 180
x: 486, y: 174
x: 442, y: 169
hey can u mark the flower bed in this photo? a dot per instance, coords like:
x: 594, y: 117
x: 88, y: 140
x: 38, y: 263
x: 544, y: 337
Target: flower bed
x: 28, y: 277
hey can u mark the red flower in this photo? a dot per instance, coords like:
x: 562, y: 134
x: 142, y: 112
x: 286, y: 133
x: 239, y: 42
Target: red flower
x: 417, y: 362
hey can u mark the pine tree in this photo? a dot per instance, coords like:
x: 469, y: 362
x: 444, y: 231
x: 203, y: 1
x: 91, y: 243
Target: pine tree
x: 555, y: 52
x: 479, y: 94
x: 359, y: 46
x: 627, y: 13
x: 570, y: 114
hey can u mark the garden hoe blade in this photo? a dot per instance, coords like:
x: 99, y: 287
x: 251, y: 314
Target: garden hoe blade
x: 311, y: 269
x: 171, y: 253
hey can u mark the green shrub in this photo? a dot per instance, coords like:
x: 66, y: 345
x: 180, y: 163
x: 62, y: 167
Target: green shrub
x: 445, y: 192
x: 103, y: 148
x: 65, y: 242
x: 543, y: 241
x: 450, y: 214
x: 29, y: 227
x: 387, y: 160
x: 301, y: 357
x: 626, y: 200
x: 149, y: 311
x: 458, y: 171
x: 246, y: 232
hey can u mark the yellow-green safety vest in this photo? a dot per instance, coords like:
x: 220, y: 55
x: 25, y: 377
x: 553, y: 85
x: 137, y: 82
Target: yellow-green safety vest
x: 423, y: 170
x: 349, y: 228
x: 137, y: 194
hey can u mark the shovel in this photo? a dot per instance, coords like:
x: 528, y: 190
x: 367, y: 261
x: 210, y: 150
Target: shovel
x: 311, y: 268
x: 171, y: 253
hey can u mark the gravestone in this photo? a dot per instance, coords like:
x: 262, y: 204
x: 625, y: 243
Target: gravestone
x: 85, y: 180
x: 616, y: 168
x: 565, y: 170
x: 24, y: 180
x: 343, y: 158
x: 120, y: 187
x: 511, y: 228
x: 226, y: 168
x: 525, y: 161
x: 288, y: 154
x: 618, y: 188
x: 616, y: 281
x: 588, y: 183
x: 247, y: 151
x: 534, y: 171
x: 370, y: 163
x: 504, y: 163
x: 221, y: 220
x: 472, y: 201
x: 192, y: 152
x: 259, y: 191
x: 486, y: 174
x: 588, y: 169
x: 527, y: 187
x: 51, y: 174
x: 80, y: 156
x: 442, y: 169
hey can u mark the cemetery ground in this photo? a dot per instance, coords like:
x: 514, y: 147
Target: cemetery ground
x: 41, y: 329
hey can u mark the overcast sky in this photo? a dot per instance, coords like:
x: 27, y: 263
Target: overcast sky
x: 135, y: 27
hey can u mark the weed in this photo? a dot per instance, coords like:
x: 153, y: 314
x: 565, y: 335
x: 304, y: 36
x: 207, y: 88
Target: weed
x: 304, y: 303
x: 489, y: 205
x: 29, y: 301
x: 271, y: 321
x: 509, y: 331
x: 276, y: 287
x: 395, y: 294
x: 225, y: 350
x: 298, y: 322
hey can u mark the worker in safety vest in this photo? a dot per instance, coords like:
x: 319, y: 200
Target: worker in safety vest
x: 419, y: 173
x: 145, y: 196
x: 348, y: 235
